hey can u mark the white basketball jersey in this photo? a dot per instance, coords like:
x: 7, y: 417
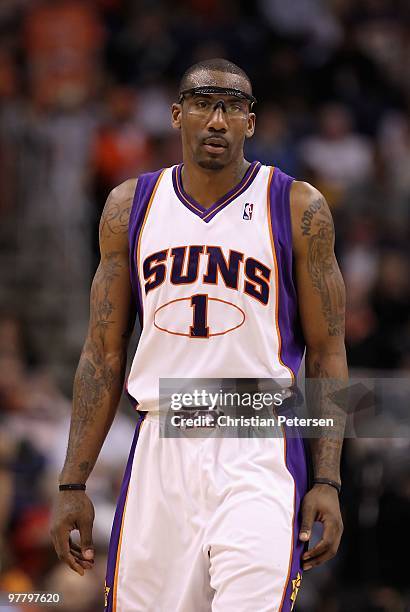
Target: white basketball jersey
x: 214, y: 286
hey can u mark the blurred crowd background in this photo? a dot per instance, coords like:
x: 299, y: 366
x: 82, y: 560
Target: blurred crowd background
x: 85, y: 94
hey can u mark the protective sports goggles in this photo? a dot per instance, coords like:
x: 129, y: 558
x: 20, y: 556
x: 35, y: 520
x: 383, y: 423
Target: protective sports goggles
x: 223, y: 91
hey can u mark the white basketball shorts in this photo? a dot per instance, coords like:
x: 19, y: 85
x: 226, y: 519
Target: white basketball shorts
x: 207, y: 524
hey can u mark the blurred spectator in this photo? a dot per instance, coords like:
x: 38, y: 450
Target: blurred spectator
x: 390, y: 300
x: 62, y: 40
x: 394, y: 141
x: 121, y: 148
x: 380, y: 33
x: 154, y: 109
x: 360, y: 254
x: 272, y: 143
x: 8, y: 75
x: 337, y: 157
x: 310, y: 17
x: 144, y: 49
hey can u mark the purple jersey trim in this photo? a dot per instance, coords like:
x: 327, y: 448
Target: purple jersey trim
x: 145, y: 187
x: 292, y: 341
x: 117, y: 523
x: 297, y: 464
x: 206, y: 214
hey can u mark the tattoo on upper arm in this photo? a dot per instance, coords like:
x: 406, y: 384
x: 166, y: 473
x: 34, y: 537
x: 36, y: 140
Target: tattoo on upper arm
x: 308, y: 215
x: 324, y: 271
x: 115, y: 218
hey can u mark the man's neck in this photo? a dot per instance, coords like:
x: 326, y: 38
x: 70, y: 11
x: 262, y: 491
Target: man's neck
x: 207, y: 186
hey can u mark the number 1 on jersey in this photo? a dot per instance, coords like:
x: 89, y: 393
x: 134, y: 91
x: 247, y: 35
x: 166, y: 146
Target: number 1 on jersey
x: 199, y: 328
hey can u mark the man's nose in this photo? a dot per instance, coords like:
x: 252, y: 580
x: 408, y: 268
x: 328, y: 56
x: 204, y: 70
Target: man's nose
x: 217, y: 119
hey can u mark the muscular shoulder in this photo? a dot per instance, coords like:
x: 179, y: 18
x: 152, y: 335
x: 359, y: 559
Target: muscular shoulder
x: 115, y: 216
x: 123, y: 192
x: 303, y: 195
x: 309, y: 212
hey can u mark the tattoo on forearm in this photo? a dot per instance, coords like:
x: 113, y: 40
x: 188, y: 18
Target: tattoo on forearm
x: 84, y: 466
x: 325, y: 274
x: 95, y: 378
x: 103, y: 305
x: 320, y: 391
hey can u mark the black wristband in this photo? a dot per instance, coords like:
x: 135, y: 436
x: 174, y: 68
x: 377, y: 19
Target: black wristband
x: 331, y: 483
x: 71, y: 487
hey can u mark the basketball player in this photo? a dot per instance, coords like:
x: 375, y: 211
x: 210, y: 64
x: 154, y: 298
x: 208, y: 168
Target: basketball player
x: 232, y: 270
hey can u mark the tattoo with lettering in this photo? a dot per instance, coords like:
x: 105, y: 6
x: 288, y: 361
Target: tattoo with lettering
x: 308, y: 215
x: 325, y: 274
x: 115, y: 217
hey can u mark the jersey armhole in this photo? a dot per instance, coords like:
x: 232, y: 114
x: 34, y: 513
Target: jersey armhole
x: 144, y: 192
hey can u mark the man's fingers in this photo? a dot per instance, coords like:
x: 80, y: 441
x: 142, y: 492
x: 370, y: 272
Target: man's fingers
x: 74, y: 564
x: 328, y: 536
x: 326, y: 548
x: 84, y: 564
x: 329, y: 554
x: 308, y: 517
x: 61, y: 543
x: 321, y: 504
x: 76, y: 552
x: 86, y: 537
x: 74, y: 546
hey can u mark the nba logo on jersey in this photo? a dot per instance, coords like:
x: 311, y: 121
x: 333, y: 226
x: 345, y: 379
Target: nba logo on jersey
x: 247, y: 211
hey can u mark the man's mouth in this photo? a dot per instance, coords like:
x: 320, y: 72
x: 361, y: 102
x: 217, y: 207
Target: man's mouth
x: 215, y: 144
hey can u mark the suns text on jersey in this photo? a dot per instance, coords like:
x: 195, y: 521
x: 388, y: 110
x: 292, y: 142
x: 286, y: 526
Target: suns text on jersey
x: 181, y: 264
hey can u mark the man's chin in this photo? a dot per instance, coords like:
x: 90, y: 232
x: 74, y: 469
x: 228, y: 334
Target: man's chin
x: 211, y: 164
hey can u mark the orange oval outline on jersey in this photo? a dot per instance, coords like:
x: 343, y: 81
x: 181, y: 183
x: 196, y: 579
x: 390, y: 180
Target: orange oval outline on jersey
x: 210, y: 335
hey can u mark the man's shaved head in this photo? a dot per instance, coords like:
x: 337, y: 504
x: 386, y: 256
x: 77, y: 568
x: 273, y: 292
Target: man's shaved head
x: 194, y: 75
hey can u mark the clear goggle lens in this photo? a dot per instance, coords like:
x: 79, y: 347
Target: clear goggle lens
x: 204, y: 107
x: 203, y: 101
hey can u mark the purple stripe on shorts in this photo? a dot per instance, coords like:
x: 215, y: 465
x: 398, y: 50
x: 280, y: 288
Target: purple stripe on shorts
x: 297, y: 465
x: 293, y: 344
x: 145, y: 186
x: 116, y: 526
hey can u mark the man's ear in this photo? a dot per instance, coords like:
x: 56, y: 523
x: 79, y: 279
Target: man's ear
x: 250, y: 128
x: 176, y: 112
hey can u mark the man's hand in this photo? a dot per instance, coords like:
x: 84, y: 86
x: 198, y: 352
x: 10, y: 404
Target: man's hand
x: 321, y: 503
x: 73, y: 510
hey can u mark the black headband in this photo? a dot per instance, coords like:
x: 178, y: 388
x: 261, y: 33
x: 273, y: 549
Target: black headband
x: 211, y: 89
